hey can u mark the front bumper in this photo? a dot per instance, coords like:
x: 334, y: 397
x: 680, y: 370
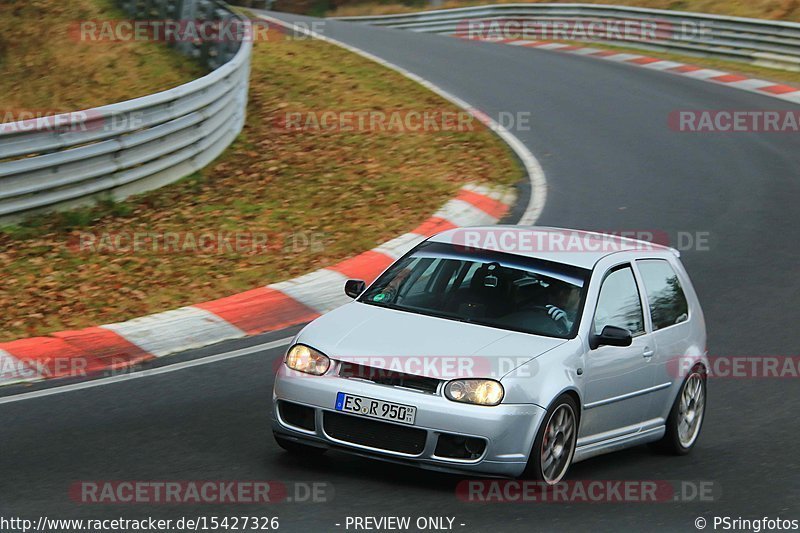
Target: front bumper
x: 508, y: 429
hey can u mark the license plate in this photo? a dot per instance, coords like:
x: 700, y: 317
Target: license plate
x: 347, y: 403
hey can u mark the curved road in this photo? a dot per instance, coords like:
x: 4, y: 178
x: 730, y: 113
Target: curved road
x: 600, y: 132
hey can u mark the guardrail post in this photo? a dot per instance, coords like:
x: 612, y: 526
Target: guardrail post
x: 186, y: 10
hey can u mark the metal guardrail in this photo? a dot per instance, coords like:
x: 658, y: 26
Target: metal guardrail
x: 130, y: 147
x: 773, y: 44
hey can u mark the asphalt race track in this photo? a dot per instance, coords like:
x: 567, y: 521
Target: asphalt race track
x: 600, y: 131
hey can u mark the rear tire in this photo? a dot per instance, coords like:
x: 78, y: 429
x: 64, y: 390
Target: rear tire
x: 686, y: 416
x: 297, y: 448
x: 554, y: 447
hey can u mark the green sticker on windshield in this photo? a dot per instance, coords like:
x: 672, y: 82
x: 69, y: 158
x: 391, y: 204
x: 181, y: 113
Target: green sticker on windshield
x: 379, y: 297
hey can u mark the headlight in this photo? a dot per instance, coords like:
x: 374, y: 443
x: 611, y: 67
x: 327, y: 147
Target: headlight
x: 478, y: 391
x: 308, y: 360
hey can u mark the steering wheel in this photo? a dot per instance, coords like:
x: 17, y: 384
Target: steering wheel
x: 561, y: 324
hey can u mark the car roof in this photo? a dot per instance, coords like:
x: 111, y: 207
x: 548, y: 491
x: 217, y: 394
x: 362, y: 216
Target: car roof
x: 567, y: 246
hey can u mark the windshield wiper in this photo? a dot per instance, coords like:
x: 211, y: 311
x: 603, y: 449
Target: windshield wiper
x: 421, y: 311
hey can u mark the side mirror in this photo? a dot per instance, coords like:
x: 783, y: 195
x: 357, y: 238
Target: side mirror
x: 354, y: 287
x: 611, y: 336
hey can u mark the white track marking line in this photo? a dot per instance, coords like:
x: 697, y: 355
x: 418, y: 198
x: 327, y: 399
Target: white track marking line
x: 148, y: 372
x: 529, y: 161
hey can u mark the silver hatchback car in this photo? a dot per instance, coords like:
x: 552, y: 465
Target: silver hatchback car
x: 503, y: 351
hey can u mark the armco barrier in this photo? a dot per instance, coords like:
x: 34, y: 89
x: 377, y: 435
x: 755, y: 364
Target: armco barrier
x: 762, y: 42
x: 134, y: 146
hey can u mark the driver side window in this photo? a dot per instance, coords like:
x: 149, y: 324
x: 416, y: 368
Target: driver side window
x: 619, y: 303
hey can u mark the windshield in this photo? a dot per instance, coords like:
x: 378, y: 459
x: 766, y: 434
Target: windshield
x: 484, y: 287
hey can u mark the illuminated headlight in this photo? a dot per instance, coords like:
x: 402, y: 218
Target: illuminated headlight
x: 304, y: 359
x: 477, y: 391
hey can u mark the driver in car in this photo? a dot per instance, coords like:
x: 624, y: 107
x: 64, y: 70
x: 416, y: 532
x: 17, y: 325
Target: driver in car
x: 565, y: 306
x: 389, y: 292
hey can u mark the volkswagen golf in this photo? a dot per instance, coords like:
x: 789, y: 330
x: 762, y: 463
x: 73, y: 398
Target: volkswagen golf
x: 503, y: 351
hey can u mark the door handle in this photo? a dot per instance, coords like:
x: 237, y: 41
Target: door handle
x: 648, y: 353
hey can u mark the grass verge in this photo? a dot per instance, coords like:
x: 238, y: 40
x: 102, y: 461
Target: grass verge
x: 45, y: 66
x: 319, y: 196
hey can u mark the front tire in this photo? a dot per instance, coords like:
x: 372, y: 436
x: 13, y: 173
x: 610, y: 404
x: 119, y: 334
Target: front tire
x: 686, y: 416
x: 554, y: 447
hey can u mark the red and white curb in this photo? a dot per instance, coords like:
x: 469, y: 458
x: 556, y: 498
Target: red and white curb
x: 273, y: 307
x: 754, y: 85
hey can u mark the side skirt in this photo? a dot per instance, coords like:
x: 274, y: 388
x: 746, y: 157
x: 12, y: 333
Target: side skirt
x: 618, y: 443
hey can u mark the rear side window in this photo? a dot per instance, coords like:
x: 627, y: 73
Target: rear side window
x: 619, y: 304
x: 665, y: 296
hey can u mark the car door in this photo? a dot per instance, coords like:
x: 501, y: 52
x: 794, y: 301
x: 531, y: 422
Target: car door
x: 671, y: 321
x: 618, y: 379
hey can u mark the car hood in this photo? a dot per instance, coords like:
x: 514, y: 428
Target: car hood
x: 421, y: 345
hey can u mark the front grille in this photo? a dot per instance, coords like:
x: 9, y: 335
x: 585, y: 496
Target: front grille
x: 374, y: 434
x: 389, y: 377
x: 297, y: 415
